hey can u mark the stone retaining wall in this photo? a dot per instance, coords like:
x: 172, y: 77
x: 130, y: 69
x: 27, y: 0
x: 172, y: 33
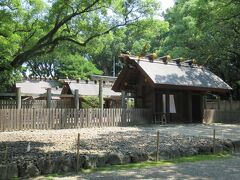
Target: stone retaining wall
x: 62, y: 163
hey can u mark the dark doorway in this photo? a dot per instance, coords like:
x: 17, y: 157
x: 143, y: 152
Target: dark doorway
x: 196, y: 109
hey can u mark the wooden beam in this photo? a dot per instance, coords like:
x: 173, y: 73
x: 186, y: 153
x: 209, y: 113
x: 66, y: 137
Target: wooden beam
x: 202, y: 107
x: 76, y: 99
x: 103, y: 78
x: 154, y: 105
x: 101, y: 100
x: 123, y: 106
x: 49, y: 97
x: 8, y: 94
x: 19, y: 98
x: 190, y: 88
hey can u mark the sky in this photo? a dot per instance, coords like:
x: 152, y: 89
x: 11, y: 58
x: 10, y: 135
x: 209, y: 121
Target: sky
x: 166, y: 4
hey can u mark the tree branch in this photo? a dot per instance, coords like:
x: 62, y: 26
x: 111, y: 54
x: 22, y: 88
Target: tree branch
x: 47, y: 43
x: 65, y: 20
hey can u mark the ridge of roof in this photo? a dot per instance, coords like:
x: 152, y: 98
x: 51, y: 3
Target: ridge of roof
x: 158, y: 61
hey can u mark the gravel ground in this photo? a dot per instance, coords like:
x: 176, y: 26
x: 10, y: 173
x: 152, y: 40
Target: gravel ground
x: 31, y: 153
x: 216, y: 169
x: 95, y: 141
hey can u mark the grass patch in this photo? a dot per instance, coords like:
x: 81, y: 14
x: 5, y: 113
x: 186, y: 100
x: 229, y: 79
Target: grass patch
x: 142, y: 165
x: 206, y: 157
x: 150, y: 164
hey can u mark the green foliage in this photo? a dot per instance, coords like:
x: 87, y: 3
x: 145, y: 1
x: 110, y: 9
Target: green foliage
x: 90, y: 102
x: 60, y: 65
x: 75, y: 66
x: 30, y: 30
x: 132, y: 38
x: 207, y: 31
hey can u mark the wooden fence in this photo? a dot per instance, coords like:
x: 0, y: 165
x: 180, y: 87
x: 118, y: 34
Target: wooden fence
x: 219, y: 116
x: 23, y: 119
x: 223, y: 105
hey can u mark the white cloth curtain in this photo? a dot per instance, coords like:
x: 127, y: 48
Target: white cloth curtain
x: 172, y: 107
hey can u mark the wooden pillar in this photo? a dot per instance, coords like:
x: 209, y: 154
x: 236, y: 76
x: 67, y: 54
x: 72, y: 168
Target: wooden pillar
x: 123, y: 106
x: 76, y: 105
x: 101, y: 100
x: 76, y: 99
x: 123, y: 96
x: 202, y: 107
x: 167, y: 103
x: 218, y: 103
x: 154, y: 106
x: 168, y: 115
x: 189, y: 95
x: 181, y: 106
x: 19, y: 98
x: 49, y: 97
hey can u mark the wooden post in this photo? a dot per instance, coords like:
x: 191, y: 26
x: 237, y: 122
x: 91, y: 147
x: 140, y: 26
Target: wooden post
x: 189, y: 106
x: 49, y: 97
x: 19, y: 98
x: 158, y: 143
x: 101, y: 101
x: 78, y: 147
x: 154, y: 106
x: 123, y: 106
x: 214, y: 133
x: 76, y: 105
x: 167, y: 118
x: 76, y: 99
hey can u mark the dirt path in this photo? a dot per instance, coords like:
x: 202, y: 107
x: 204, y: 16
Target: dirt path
x: 217, y: 169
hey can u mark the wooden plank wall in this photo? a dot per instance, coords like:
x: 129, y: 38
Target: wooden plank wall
x: 24, y: 119
x: 223, y: 105
x: 219, y: 116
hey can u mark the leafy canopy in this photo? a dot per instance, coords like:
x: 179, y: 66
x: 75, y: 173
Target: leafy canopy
x: 33, y: 28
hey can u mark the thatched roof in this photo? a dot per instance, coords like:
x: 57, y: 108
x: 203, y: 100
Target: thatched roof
x: 175, y: 75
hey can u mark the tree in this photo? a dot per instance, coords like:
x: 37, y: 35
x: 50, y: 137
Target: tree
x: 207, y: 31
x: 60, y: 64
x: 36, y: 27
x: 131, y: 38
x: 75, y: 67
x: 106, y: 58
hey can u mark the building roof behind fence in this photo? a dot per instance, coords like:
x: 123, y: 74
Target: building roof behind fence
x: 39, y: 86
x: 91, y: 89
